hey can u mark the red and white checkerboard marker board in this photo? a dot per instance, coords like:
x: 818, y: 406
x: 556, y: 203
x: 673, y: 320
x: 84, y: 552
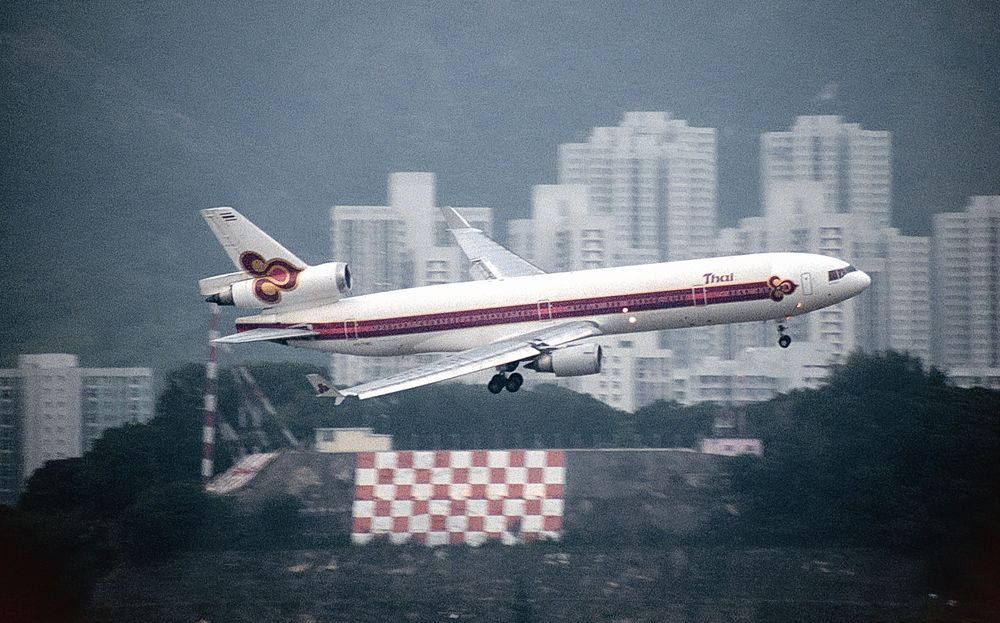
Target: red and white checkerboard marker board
x: 453, y: 497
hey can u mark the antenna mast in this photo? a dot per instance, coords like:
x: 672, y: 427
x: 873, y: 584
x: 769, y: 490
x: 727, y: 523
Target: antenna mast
x: 211, y: 400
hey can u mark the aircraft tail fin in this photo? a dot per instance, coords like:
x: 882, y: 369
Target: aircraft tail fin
x: 244, y: 242
x: 325, y: 389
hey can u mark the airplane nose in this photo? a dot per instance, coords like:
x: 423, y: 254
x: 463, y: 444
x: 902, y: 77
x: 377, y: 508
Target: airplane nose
x: 863, y: 280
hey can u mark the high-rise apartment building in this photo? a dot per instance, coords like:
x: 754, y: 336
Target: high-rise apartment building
x: 754, y: 375
x: 635, y: 372
x: 563, y: 233
x: 403, y: 244
x: 640, y: 192
x: 656, y: 177
x: 113, y: 397
x: 51, y: 387
x: 826, y: 188
x: 908, y: 319
x: 893, y: 313
x: 967, y: 283
x: 50, y: 408
x: 851, y: 164
x: 11, y: 463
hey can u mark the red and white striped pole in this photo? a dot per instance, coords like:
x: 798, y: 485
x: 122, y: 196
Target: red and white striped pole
x: 211, y: 388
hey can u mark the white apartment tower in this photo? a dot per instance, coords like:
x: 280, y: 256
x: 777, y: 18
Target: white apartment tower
x: 51, y: 386
x: 894, y: 313
x: 796, y: 219
x: 640, y: 192
x: 563, y: 233
x: 403, y: 244
x: 826, y: 188
x: 908, y: 265
x: 967, y: 280
x: 853, y: 165
x: 50, y: 409
x: 656, y: 177
x: 11, y: 462
x: 635, y: 372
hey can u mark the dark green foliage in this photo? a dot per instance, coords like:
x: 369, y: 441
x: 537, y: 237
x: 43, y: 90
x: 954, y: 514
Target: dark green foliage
x: 297, y: 408
x: 276, y: 523
x: 670, y: 425
x: 886, y: 455
x: 39, y: 581
x: 168, y: 517
x: 59, y: 486
x: 522, y: 610
x: 180, y: 416
x: 463, y: 416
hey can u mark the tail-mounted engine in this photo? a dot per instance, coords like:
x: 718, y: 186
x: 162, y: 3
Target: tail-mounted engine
x: 277, y: 282
x: 578, y: 360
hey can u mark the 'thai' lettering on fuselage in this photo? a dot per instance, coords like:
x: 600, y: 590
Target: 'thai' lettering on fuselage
x: 713, y: 278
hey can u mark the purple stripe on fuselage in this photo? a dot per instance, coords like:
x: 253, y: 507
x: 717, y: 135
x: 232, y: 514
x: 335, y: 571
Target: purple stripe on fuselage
x: 697, y: 296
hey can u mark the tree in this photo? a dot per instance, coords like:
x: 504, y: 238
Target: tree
x: 168, y: 517
x: 886, y: 452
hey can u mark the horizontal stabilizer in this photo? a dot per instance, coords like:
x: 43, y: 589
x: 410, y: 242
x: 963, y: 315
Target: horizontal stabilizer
x: 324, y: 389
x: 265, y: 335
x: 213, y: 285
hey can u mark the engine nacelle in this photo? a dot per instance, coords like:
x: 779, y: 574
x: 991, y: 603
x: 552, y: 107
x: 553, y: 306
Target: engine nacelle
x: 578, y: 360
x: 282, y: 283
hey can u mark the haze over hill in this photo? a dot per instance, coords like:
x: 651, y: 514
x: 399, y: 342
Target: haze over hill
x: 121, y: 121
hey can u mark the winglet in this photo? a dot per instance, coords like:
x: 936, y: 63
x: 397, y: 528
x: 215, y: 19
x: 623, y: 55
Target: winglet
x: 324, y: 389
x: 455, y: 220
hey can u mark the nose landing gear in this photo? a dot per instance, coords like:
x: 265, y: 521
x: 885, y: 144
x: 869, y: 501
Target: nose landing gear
x: 784, y: 339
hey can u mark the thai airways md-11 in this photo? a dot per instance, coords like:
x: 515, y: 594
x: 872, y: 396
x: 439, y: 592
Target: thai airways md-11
x: 512, y: 315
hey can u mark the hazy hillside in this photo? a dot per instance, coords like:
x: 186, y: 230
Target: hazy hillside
x: 121, y: 121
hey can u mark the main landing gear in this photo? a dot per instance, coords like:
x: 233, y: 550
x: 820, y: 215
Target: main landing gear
x: 500, y: 380
x: 784, y: 339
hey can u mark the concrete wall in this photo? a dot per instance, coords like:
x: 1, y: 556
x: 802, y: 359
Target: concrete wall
x: 351, y: 440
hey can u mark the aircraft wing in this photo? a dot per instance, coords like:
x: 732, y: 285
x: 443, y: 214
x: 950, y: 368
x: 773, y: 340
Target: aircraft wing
x: 265, y: 335
x: 489, y: 259
x: 498, y: 353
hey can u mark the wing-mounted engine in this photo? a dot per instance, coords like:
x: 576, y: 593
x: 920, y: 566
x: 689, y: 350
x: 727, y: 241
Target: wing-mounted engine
x: 268, y: 283
x: 578, y: 360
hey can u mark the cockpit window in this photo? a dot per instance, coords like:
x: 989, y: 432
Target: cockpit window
x: 838, y: 273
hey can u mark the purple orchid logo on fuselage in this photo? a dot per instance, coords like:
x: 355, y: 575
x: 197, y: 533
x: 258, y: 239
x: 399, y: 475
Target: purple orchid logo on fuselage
x: 780, y: 287
x: 271, y: 276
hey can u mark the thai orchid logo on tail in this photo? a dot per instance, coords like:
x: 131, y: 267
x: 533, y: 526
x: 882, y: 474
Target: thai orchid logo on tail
x: 271, y: 276
x: 780, y: 287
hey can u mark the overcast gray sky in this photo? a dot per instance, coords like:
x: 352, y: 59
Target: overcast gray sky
x: 121, y: 120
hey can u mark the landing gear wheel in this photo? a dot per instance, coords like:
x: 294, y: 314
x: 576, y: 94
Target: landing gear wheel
x: 497, y: 383
x: 784, y: 341
x: 514, y: 382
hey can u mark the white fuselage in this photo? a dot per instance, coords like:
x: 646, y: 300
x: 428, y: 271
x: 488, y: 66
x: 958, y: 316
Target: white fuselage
x: 459, y: 316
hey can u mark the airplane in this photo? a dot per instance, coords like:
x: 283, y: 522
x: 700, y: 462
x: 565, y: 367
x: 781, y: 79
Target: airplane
x: 512, y: 314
